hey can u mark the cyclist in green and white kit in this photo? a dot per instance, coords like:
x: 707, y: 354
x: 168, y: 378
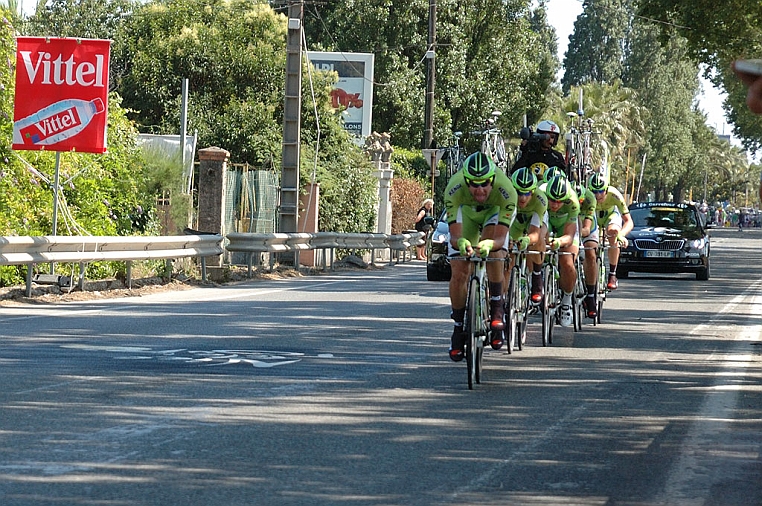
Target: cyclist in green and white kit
x: 613, y: 218
x: 563, y: 210
x: 529, y: 229
x: 480, y: 202
x: 588, y: 233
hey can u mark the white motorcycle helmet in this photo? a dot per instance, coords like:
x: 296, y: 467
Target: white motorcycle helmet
x: 548, y: 127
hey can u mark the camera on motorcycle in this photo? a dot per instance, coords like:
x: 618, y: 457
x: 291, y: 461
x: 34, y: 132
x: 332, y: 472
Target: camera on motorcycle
x: 533, y: 139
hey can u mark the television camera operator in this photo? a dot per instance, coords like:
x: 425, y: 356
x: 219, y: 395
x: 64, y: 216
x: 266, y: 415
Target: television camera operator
x: 537, y: 150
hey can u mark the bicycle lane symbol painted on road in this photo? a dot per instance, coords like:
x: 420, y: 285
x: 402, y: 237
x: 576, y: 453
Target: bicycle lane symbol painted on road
x: 209, y: 358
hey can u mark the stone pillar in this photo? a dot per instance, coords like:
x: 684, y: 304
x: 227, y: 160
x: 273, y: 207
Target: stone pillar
x: 308, y: 220
x: 384, y: 175
x: 211, y: 194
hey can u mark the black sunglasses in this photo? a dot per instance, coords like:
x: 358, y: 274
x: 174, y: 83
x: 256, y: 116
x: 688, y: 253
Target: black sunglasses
x: 486, y: 182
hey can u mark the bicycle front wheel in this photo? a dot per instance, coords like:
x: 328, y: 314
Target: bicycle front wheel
x: 580, y: 292
x: 548, y: 305
x: 511, y: 301
x: 600, y: 289
x: 473, y: 356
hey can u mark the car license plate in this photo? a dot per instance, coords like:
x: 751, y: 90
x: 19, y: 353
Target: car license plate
x: 659, y: 254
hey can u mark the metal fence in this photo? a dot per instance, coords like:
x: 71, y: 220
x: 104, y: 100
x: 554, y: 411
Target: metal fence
x: 251, y: 203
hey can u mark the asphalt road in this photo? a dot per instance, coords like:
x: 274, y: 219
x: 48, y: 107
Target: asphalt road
x: 337, y: 389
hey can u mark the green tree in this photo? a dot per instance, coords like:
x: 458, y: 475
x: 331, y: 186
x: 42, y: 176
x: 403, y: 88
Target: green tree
x: 597, y: 45
x: 233, y: 55
x: 716, y: 34
x: 666, y: 81
x: 618, y: 123
x: 491, y: 54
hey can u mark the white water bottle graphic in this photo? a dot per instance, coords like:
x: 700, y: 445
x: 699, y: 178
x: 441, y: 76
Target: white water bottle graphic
x: 56, y: 122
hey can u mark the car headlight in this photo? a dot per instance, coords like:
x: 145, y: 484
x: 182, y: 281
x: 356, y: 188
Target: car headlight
x: 697, y: 243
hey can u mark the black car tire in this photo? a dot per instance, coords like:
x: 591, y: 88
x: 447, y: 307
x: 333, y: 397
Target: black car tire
x: 434, y: 273
x: 703, y: 274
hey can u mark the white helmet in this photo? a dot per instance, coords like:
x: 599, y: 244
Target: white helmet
x: 548, y: 127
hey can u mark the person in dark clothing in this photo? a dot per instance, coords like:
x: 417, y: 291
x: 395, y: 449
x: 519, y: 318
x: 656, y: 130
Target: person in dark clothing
x: 538, y: 154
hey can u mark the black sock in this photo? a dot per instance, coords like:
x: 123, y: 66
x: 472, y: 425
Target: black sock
x: 495, y: 291
x: 612, y: 269
x: 591, y: 290
x: 458, y: 315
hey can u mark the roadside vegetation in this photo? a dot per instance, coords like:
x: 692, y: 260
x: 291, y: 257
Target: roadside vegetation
x: 637, y: 62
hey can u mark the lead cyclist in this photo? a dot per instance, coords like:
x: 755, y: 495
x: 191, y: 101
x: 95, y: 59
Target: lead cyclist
x: 481, y: 203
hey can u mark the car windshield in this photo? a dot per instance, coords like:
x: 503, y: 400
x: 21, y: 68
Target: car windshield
x: 668, y: 217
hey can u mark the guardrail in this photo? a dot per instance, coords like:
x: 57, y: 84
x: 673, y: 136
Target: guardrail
x: 30, y: 250
x: 251, y: 244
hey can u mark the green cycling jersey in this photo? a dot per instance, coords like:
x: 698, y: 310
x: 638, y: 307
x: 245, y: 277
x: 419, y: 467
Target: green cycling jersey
x: 502, y: 199
x: 567, y: 213
x: 586, y: 204
x: 537, y: 205
x: 613, y: 202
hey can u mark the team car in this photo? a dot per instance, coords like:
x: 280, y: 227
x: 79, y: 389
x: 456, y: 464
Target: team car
x: 438, y: 263
x: 667, y: 237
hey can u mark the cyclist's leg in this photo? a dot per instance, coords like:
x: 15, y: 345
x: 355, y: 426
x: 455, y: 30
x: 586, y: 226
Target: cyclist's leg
x: 613, y: 228
x: 537, y: 229
x: 590, y: 243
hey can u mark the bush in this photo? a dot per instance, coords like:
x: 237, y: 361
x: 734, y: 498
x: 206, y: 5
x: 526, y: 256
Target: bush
x: 407, y: 196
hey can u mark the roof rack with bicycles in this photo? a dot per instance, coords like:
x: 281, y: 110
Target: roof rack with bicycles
x: 493, y: 144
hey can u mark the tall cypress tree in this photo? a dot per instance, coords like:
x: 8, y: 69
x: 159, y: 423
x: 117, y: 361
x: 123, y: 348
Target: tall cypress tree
x: 597, y: 45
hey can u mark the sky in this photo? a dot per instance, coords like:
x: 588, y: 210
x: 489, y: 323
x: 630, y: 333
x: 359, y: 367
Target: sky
x: 563, y: 13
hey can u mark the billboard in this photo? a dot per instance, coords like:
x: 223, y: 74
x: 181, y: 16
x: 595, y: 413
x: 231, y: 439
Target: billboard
x: 354, y: 90
x: 61, y: 101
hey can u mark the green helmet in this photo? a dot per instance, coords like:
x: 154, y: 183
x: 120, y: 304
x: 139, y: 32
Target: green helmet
x: 524, y: 180
x: 552, y: 172
x: 478, y: 168
x: 558, y: 188
x: 597, y: 183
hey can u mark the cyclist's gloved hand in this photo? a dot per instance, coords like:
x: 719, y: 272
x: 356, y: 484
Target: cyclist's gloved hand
x: 556, y: 244
x: 622, y: 240
x: 485, y: 246
x: 463, y: 246
x: 522, y: 243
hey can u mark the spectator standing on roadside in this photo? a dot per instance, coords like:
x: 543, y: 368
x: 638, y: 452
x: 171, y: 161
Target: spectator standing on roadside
x: 421, y: 226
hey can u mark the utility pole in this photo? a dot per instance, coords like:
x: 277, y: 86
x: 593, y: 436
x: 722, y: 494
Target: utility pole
x: 289, y: 181
x: 428, y: 135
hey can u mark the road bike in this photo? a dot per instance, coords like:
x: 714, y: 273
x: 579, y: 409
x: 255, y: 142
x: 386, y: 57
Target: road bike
x: 518, y: 305
x: 579, y: 157
x: 580, y: 292
x: 551, y: 300
x: 601, y: 282
x: 476, y: 324
x: 493, y: 144
x: 453, y: 155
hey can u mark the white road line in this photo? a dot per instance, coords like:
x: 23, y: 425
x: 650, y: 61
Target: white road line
x: 706, y: 452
